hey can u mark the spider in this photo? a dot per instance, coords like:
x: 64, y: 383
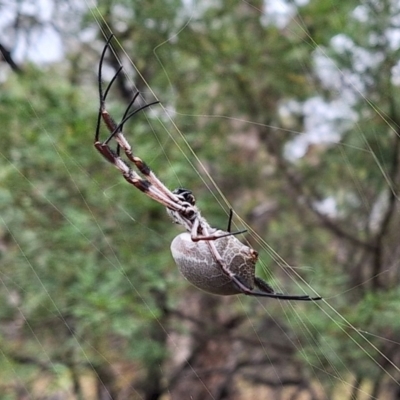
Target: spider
x: 211, y: 259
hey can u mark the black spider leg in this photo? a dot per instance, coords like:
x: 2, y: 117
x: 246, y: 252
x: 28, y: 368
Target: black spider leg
x: 103, y: 114
x: 230, y: 233
x: 264, y: 286
x: 265, y: 289
x: 230, y: 225
x: 228, y: 229
x: 243, y: 288
x: 102, y: 97
x: 121, y: 125
x: 118, y: 128
x: 113, y: 127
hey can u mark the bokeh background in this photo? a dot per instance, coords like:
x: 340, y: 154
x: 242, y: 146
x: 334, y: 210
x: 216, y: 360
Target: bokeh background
x: 287, y: 111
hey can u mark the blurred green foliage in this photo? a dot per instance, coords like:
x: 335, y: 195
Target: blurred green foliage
x: 88, y: 282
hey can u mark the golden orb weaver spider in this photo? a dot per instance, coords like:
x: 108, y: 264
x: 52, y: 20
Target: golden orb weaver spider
x: 211, y: 259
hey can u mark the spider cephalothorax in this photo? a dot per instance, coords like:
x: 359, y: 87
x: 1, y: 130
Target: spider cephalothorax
x: 187, y: 217
x: 185, y: 195
x: 211, y: 259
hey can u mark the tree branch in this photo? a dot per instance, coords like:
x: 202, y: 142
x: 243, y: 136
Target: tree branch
x: 296, y: 183
x: 393, y: 196
x: 9, y: 60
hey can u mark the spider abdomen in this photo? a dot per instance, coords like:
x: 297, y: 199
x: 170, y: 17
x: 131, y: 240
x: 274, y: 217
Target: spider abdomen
x: 198, y: 265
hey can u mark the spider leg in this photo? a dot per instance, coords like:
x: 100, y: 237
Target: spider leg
x: 266, y: 288
x: 135, y: 179
x: 212, y: 236
x: 144, y: 168
x: 262, y: 285
x: 230, y: 225
x: 267, y: 291
x: 108, y: 120
x: 160, y: 191
x: 102, y: 96
x: 118, y: 128
x: 103, y: 113
x: 228, y: 229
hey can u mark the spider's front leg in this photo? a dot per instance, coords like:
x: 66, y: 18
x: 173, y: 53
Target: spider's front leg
x: 105, y: 150
x: 149, y: 183
x: 130, y: 176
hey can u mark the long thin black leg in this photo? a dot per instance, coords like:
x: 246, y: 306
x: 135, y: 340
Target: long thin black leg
x: 250, y: 292
x: 228, y: 229
x: 103, y: 53
x: 121, y: 124
x: 108, y: 120
x: 262, y: 285
x: 265, y: 287
x: 119, y: 127
x: 111, y: 124
x: 123, y: 117
x: 97, y: 134
x: 101, y: 96
x: 216, y: 237
x: 136, y: 111
x: 103, y: 99
x: 129, y: 106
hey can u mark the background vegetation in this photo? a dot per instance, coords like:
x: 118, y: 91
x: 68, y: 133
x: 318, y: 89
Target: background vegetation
x: 295, y: 119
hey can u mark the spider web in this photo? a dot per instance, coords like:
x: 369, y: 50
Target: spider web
x: 298, y: 326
